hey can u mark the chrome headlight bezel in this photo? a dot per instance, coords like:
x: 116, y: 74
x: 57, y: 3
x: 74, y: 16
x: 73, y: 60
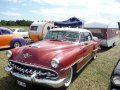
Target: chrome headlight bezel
x: 55, y: 63
x: 8, y: 53
x: 116, y: 80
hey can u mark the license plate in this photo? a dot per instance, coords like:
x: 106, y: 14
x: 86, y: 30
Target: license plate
x: 21, y: 83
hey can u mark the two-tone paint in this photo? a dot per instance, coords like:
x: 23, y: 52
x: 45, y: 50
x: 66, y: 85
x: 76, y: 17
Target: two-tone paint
x: 39, y: 29
x: 37, y: 56
x: 106, y: 31
x: 7, y: 38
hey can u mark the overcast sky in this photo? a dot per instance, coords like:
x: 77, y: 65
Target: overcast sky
x: 59, y: 10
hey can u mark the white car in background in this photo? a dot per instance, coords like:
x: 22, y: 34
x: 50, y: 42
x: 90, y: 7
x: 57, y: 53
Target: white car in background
x: 20, y: 31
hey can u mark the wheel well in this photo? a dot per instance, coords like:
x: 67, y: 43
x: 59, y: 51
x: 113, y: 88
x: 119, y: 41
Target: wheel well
x: 74, y: 69
x: 12, y: 43
x: 17, y: 41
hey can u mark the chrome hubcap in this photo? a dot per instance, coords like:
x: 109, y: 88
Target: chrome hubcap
x: 16, y: 44
x: 69, y: 77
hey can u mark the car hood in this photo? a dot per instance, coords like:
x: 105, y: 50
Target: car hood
x: 41, y: 53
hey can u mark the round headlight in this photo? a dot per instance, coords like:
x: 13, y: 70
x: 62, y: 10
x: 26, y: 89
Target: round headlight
x: 55, y: 63
x: 116, y: 80
x: 9, y: 53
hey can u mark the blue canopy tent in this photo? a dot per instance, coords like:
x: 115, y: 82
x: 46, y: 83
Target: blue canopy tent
x: 72, y: 22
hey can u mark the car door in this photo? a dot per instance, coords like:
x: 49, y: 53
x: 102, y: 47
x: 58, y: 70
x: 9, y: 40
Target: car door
x: 88, y: 42
x: 87, y: 47
x: 5, y: 38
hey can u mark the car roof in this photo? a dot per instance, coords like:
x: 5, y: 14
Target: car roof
x: 70, y: 29
x: 16, y: 28
x: 3, y: 28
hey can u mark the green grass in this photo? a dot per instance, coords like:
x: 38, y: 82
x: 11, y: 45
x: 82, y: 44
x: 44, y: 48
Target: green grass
x: 95, y: 76
x: 97, y: 73
x: 25, y: 27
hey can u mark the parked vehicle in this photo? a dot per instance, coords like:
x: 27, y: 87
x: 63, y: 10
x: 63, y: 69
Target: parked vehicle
x: 106, y: 31
x: 39, y: 29
x: 10, y: 40
x: 20, y: 31
x: 54, y: 60
x: 115, y: 77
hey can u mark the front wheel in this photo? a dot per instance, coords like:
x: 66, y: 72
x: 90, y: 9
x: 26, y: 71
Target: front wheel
x: 16, y: 44
x: 69, y: 77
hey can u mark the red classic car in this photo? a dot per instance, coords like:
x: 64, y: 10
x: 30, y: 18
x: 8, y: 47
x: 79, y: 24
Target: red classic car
x: 54, y: 60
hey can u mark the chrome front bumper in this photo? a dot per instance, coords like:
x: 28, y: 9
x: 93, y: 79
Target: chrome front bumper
x: 32, y: 79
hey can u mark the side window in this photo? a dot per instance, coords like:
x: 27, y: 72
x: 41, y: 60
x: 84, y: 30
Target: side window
x: 82, y: 37
x: 86, y: 36
x: 0, y: 32
x: 4, y: 32
x: 19, y: 30
x: 33, y: 28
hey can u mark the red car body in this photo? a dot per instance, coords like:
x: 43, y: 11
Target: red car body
x: 52, y: 62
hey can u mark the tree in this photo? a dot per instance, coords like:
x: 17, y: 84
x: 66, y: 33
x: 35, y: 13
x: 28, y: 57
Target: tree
x: 3, y: 22
x: 16, y: 23
x: 11, y: 23
x: 23, y: 22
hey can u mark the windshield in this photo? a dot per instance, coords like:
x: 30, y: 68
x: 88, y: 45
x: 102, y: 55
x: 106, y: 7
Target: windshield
x: 12, y: 30
x: 63, y: 35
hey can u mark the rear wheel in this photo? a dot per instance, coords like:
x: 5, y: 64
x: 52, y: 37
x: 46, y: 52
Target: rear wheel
x: 16, y: 44
x: 113, y: 44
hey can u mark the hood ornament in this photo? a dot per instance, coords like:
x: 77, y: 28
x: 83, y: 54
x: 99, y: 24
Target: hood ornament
x: 26, y: 55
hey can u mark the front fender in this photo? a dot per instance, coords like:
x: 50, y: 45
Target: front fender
x: 22, y: 41
x: 70, y: 57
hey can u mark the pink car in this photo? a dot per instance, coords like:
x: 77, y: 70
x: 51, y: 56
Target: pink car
x: 54, y: 60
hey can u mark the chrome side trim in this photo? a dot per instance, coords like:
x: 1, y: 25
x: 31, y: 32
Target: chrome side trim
x: 96, y: 49
x: 83, y: 65
x: 78, y: 61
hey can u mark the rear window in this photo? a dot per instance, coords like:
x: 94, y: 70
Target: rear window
x: 33, y: 28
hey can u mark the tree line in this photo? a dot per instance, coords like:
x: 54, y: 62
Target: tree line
x: 21, y: 23
x: 15, y: 23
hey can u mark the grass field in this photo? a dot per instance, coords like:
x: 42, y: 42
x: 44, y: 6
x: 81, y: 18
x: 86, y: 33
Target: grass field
x: 25, y: 27
x: 95, y: 76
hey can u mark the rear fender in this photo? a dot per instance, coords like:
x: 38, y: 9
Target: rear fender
x: 22, y: 41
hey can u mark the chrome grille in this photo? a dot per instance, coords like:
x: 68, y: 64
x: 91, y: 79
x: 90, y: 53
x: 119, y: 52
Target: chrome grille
x: 28, y: 70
